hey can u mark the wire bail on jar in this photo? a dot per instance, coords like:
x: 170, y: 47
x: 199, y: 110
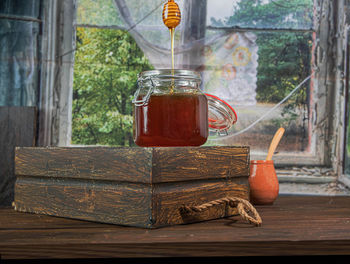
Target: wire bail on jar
x: 145, y: 99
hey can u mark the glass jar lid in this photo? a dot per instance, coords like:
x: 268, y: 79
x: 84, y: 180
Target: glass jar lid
x: 221, y: 115
x: 164, y: 74
x: 163, y: 81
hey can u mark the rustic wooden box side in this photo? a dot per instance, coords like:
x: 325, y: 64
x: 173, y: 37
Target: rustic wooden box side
x: 146, y: 165
x: 122, y: 203
x: 169, y: 198
x: 97, y: 163
x: 145, y: 187
x: 198, y: 163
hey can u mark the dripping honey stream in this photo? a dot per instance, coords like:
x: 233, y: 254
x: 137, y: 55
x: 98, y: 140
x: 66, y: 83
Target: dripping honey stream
x: 171, y: 18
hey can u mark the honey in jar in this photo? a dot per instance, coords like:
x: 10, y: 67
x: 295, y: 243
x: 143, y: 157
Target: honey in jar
x: 170, y: 109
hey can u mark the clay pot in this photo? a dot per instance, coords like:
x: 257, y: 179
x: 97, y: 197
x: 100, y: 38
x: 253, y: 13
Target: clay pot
x: 264, y: 186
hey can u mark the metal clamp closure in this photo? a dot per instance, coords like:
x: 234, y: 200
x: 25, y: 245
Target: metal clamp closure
x: 145, y: 99
x: 222, y: 133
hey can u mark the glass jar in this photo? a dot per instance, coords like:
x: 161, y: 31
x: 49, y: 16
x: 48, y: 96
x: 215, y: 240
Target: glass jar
x: 170, y: 109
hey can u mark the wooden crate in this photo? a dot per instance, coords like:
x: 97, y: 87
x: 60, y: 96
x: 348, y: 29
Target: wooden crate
x: 144, y: 187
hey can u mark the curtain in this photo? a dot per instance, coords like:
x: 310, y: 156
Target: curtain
x: 228, y: 61
x: 19, y: 52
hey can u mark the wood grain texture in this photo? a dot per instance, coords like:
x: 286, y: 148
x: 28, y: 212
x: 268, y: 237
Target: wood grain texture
x: 141, y: 205
x: 98, y: 163
x: 123, y: 203
x: 292, y: 226
x: 169, y: 199
x: 182, y: 164
x: 143, y: 187
x: 17, y: 128
x: 146, y: 165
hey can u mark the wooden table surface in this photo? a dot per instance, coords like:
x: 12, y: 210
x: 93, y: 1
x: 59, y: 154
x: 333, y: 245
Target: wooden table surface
x: 294, y: 226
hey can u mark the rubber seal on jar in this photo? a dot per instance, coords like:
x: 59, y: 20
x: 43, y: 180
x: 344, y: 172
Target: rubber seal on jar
x: 221, y: 115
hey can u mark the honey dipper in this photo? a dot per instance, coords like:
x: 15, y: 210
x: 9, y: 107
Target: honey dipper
x: 171, y: 14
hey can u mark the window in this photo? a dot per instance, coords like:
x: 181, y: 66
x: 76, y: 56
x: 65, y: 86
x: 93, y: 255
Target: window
x: 345, y: 176
x: 271, y: 43
x: 107, y: 62
x: 282, y: 42
x: 276, y: 39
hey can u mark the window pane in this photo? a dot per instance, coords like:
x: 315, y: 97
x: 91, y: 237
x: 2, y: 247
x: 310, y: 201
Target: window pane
x: 347, y: 149
x: 145, y: 24
x: 347, y: 122
x: 271, y: 65
x: 19, y: 63
x: 104, y: 12
x: 293, y: 14
x: 30, y: 8
x: 97, y: 12
x: 107, y: 63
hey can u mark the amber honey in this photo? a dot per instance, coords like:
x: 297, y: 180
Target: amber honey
x: 179, y: 119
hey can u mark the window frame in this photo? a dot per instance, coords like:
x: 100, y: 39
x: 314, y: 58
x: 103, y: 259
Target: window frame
x: 56, y: 86
x: 343, y: 177
x: 327, y: 112
x: 319, y: 142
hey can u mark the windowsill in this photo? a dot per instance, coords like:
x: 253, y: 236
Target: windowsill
x: 316, y: 189
x: 293, y: 225
x: 310, y: 181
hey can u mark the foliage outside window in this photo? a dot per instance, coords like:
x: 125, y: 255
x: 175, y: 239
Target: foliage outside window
x: 105, y: 74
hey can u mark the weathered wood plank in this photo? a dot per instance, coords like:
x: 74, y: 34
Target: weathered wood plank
x: 99, y: 163
x: 146, y: 165
x: 168, y: 199
x: 142, y: 187
x: 17, y: 128
x: 123, y: 203
x: 292, y: 226
x: 328, y: 249
x: 127, y: 204
x: 182, y: 164
x: 28, y: 221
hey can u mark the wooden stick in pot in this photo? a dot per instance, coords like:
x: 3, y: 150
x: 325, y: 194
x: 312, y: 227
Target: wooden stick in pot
x: 274, y: 143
